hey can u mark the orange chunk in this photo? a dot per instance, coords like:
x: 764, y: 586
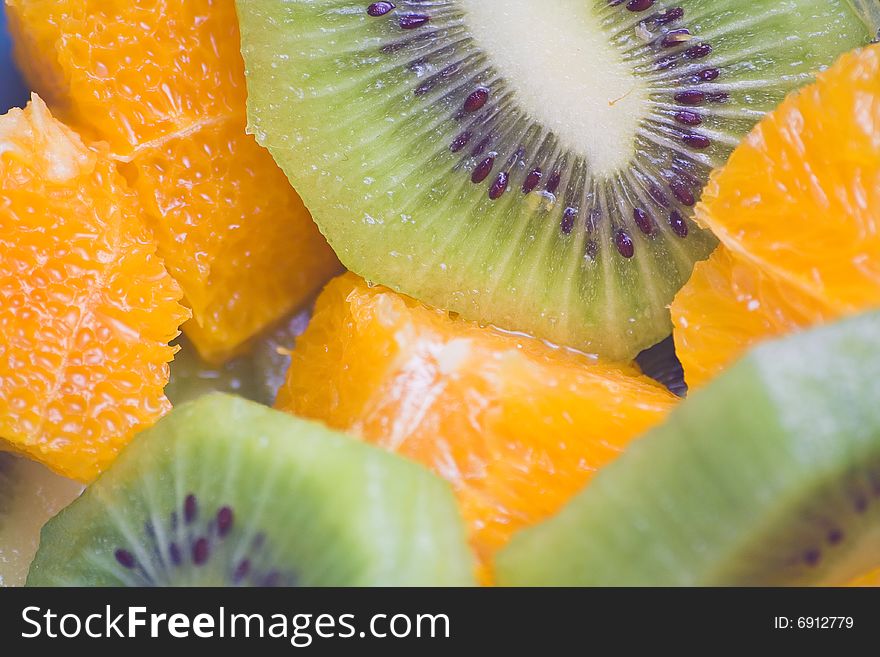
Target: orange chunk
x: 515, y: 425
x: 87, y: 308
x: 162, y: 81
x: 797, y: 210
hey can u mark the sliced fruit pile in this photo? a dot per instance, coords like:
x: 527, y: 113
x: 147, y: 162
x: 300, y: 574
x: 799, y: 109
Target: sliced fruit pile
x: 516, y: 426
x: 448, y: 156
x: 86, y: 307
x: 162, y: 81
x: 797, y: 210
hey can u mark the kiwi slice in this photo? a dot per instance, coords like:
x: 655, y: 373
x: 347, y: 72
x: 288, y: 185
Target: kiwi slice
x: 30, y: 494
x: 769, y: 476
x: 224, y: 491
x: 528, y: 164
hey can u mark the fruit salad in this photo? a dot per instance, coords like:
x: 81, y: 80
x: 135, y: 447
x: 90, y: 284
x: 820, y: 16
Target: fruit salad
x: 459, y: 293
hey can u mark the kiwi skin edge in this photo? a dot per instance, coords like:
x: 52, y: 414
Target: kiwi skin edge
x: 224, y: 491
x: 769, y: 476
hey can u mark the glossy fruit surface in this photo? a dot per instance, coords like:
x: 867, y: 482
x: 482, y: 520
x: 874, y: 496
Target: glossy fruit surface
x: 797, y: 210
x: 515, y: 425
x: 162, y: 81
x: 87, y: 308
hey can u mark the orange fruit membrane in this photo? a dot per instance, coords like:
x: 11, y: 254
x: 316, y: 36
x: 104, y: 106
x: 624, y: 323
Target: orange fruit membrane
x: 162, y: 81
x: 515, y: 425
x: 87, y: 308
x: 797, y: 210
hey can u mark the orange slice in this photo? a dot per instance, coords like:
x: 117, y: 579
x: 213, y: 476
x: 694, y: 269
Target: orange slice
x: 516, y: 426
x: 87, y: 308
x: 162, y: 81
x: 797, y: 210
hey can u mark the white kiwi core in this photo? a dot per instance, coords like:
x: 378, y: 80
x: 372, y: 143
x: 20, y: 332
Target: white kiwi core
x: 565, y: 74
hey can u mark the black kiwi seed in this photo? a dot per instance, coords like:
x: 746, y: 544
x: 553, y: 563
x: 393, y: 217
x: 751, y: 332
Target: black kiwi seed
x: 476, y: 99
x: 488, y: 113
x: 483, y: 169
x: 624, y: 243
x: 456, y: 109
x: 531, y: 180
x: 379, y: 8
x: 227, y: 491
x: 678, y: 224
x: 568, y: 217
x: 412, y: 21
x: 643, y: 221
x: 639, y: 5
x: 499, y: 186
x: 204, y: 541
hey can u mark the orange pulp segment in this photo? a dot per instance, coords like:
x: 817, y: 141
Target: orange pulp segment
x: 797, y: 210
x: 87, y: 308
x: 162, y: 81
x: 515, y: 425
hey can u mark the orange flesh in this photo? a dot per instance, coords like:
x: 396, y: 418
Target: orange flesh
x: 516, y: 426
x: 87, y: 308
x: 797, y: 209
x: 162, y: 81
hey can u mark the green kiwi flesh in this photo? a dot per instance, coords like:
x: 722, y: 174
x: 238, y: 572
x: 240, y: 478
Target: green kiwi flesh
x: 30, y: 494
x: 769, y: 476
x: 532, y: 165
x: 226, y: 492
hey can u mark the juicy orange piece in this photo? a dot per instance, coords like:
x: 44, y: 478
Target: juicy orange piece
x: 132, y: 72
x: 516, y: 426
x: 797, y: 209
x: 729, y: 305
x: 163, y: 82
x: 255, y: 253
x: 87, y: 308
